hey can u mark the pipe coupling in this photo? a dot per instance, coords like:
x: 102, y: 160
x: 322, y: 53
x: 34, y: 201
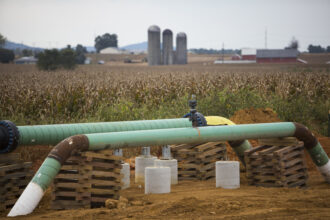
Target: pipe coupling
x: 9, y: 136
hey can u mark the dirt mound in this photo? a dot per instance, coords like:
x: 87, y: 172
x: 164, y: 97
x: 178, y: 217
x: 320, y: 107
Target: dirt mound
x: 253, y: 115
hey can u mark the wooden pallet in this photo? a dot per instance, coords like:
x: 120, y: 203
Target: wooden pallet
x: 87, y: 180
x: 15, y: 174
x: 284, y: 141
x: 197, y: 162
x: 276, y: 166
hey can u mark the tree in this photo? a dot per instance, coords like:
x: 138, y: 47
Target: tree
x: 2, y: 40
x: 80, y: 54
x: 294, y: 44
x: 6, y: 56
x: 54, y: 59
x: 27, y: 53
x: 49, y: 60
x: 68, y: 58
x: 315, y: 49
x: 328, y: 49
x: 106, y: 40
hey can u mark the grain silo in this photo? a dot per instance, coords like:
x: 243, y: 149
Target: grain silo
x: 167, y: 47
x: 181, y: 48
x: 154, y: 56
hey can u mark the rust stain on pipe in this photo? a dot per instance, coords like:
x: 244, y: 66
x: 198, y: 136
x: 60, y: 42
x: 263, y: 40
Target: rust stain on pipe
x: 69, y: 146
x: 199, y: 132
x: 303, y: 134
x: 237, y: 143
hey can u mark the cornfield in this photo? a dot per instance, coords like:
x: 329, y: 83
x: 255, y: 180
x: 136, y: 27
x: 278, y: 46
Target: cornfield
x: 111, y: 93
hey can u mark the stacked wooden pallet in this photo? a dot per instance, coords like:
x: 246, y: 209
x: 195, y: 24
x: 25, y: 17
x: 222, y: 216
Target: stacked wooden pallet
x: 197, y: 162
x: 14, y: 177
x: 87, y: 180
x: 276, y: 166
x: 284, y: 141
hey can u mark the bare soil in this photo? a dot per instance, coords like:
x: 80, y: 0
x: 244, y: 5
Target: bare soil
x: 201, y: 200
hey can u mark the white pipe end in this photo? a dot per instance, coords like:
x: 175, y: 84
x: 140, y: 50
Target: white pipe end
x: 28, y: 201
x: 325, y: 171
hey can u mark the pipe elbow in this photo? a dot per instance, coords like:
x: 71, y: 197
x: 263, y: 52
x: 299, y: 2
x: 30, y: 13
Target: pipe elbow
x: 69, y: 146
x: 303, y: 134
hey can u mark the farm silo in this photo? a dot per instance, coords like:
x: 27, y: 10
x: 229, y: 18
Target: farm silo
x: 181, y: 48
x: 167, y: 47
x: 154, y: 56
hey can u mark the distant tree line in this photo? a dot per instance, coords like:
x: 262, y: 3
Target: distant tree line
x: 213, y: 51
x: 318, y: 49
x: 66, y: 58
x: 106, y: 40
x: 6, y: 56
x: 294, y: 44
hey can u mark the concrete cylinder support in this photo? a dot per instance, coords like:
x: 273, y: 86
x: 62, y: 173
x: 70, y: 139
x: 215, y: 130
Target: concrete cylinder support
x: 141, y: 163
x: 181, y: 48
x: 154, y: 55
x: 167, y: 47
x: 157, y: 180
x: 173, y: 165
x: 227, y: 174
x: 125, y: 171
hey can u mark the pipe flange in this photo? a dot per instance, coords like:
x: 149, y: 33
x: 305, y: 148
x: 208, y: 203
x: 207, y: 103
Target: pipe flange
x: 9, y: 136
x: 200, y: 119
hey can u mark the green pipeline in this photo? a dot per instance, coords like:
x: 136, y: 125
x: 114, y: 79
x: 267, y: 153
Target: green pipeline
x: 47, y: 172
x: 239, y: 150
x: 53, y: 134
x: 189, y: 135
x: 318, y: 155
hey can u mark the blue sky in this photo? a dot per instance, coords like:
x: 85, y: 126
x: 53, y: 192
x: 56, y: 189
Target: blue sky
x: 208, y: 23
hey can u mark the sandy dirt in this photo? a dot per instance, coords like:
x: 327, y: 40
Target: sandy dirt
x: 200, y: 199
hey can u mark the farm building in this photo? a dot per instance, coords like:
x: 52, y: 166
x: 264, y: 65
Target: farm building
x: 26, y: 60
x: 277, y: 56
x: 113, y: 50
x: 236, y: 57
x: 248, y: 53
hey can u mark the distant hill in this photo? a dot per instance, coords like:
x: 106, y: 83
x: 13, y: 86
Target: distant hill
x: 138, y: 47
x: 13, y: 46
x: 90, y: 49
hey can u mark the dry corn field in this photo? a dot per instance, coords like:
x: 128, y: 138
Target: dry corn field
x: 134, y: 91
x: 127, y: 92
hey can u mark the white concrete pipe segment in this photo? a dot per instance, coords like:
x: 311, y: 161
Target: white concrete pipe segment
x: 141, y: 163
x: 157, y: 180
x: 125, y: 171
x: 173, y: 165
x: 227, y: 174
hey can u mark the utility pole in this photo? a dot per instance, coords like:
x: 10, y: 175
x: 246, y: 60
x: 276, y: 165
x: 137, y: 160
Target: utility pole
x: 266, y: 38
x: 223, y: 52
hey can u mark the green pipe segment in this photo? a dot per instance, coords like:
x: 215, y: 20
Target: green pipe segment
x: 189, y: 135
x: 318, y: 155
x: 11, y: 135
x: 239, y: 148
x: 47, y: 172
x: 53, y: 134
x: 195, y: 135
